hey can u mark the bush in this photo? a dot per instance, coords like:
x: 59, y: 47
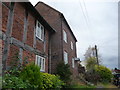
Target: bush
x: 30, y: 77
x: 10, y: 81
x: 37, y: 79
x: 63, y: 70
x: 104, y: 72
x: 51, y: 81
x: 31, y: 73
x: 92, y: 77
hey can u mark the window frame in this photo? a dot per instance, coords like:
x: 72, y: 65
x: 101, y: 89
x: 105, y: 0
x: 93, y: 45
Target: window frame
x: 65, y: 57
x: 41, y: 63
x: 39, y: 29
x: 72, y: 47
x: 73, y: 62
x: 64, y: 36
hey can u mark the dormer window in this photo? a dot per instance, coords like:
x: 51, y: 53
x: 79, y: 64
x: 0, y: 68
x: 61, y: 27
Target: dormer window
x: 39, y: 31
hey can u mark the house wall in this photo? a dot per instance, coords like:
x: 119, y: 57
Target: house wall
x: 67, y: 48
x: 20, y: 35
x: 54, y: 18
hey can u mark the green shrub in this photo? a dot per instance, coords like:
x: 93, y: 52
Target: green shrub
x: 104, y: 72
x: 30, y: 77
x: 31, y: 73
x: 92, y: 77
x: 10, y: 81
x: 51, y: 81
x: 63, y: 70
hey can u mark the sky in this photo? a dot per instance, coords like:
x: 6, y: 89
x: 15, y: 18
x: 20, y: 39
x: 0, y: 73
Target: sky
x: 93, y: 22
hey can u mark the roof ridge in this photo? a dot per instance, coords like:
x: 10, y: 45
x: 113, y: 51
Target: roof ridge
x: 61, y: 15
x: 48, y: 6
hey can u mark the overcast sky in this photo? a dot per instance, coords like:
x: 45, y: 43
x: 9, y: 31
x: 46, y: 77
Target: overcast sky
x: 93, y: 22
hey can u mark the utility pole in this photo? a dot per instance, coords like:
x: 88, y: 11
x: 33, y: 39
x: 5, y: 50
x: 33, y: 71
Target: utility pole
x: 96, y: 54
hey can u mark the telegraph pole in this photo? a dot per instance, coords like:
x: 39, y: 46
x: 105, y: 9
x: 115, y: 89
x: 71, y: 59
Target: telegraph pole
x: 96, y: 54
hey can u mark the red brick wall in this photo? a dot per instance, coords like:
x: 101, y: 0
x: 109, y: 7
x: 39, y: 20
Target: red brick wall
x: 58, y: 46
x: 18, y: 22
x: 53, y: 18
x: 18, y: 31
x: 12, y: 55
x: 1, y: 50
x: 30, y: 30
x: 5, y: 11
x: 67, y: 48
x: 29, y: 56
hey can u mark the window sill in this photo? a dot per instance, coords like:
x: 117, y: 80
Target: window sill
x: 40, y: 39
x: 42, y: 71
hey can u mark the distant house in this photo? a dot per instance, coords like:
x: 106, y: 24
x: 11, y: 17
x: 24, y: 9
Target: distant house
x: 37, y: 34
x: 63, y: 42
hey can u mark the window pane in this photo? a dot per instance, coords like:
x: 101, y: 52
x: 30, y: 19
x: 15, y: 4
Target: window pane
x: 39, y: 31
x: 42, y: 33
x: 40, y: 61
x: 71, y: 45
x: 65, y: 36
x: 73, y: 63
x: 65, y: 57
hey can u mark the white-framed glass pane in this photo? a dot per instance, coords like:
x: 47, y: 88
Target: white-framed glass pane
x: 65, y: 57
x: 39, y: 31
x: 40, y: 61
x: 42, y: 32
x: 71, y: 45
x: 64, y: 36
x: 73, y: 63
x: 42, y: 64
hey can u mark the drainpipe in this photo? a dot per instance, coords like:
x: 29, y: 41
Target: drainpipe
x: 61, y: 36
x: 49, y: 54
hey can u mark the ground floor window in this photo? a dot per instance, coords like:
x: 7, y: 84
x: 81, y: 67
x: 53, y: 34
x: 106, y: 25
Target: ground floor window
x: 40, y: 61
x: 73, y: 63
x: 65, y: 57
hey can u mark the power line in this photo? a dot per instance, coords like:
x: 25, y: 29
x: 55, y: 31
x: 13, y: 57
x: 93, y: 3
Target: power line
x: 84, y: 14
x: 86, y: 11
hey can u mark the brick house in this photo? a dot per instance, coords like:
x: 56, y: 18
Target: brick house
x: 63, y: 42
x: 24, y: 33
x: 37, y: 34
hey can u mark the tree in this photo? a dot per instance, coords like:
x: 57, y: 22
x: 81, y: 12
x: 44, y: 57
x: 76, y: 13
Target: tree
x: 63, y: 70
x: 104, y: 73
x: 90, y: 63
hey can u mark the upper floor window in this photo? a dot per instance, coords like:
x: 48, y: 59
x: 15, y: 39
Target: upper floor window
x: 39, y: 31
x: 71, y: 45
x: 40, y: 61
x: 65, y: 57
x: 64, y: 36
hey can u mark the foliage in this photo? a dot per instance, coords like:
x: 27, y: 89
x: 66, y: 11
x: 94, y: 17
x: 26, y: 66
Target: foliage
x: 15, y: 62
x: 31, y: 73
x: 28, y: 76
x: 90, y: 63
x: 63, y: 70
x: 51, y: 81
x: 81, y: 69
x: 92, y: 77
x: 10, y: 81
x: 104, y: 72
